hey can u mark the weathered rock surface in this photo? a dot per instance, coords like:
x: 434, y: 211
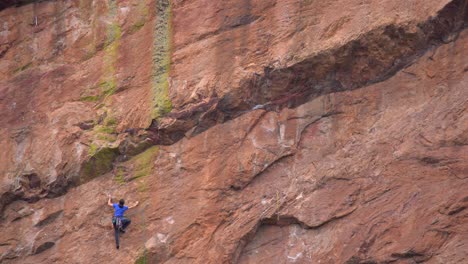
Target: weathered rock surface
x: 286, y: 131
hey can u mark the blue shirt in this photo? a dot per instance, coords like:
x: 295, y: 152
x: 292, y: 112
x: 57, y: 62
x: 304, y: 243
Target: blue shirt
x: 119, y: 211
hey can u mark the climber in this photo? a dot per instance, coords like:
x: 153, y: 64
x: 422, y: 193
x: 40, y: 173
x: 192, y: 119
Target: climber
x: 120, y: 222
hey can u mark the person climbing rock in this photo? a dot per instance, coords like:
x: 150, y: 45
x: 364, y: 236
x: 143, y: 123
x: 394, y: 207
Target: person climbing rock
x: 119, y: 222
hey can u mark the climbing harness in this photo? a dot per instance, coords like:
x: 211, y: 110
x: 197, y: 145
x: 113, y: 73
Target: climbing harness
x: 117, y: 222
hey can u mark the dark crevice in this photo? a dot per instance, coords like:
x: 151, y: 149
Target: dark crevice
x: 276, y: 220
x: 332, y: 219
x: 416, y: 257
x: 456, y: 210
x: 358, y: 260
x: 283, y: 220
x: 16, y: 3
x: 34, y: 181
x: 44, y: 247
x: 241, y: 184
x: 28, y: 188
x: 49, y: 219
x: 408, y: 254
x: 5, y: 199
x: 434, y: 161
x: 430, y: 160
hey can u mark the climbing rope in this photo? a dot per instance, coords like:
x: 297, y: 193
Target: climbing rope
x: 277, y: 205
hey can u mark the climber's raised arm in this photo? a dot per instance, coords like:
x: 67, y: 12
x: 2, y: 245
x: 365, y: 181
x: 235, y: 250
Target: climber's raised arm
x: 109, y: 201
x: 134, y: 205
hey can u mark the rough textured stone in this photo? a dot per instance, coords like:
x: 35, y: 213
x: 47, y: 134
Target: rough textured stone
x: 289, y: 131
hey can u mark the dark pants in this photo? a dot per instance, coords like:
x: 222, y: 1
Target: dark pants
x: 125, y: 222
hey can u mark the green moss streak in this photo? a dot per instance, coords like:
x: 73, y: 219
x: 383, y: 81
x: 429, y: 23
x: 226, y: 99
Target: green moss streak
x: 119, y: 177
x: 107, y: 138
x: 110, y: 121
x: 141, y: 260
x: 23, y: 68
x: 99, y: 163
x: 90, y: 98
x: 162, y: 59
x: 92, y: 149
x: 137, y: 26
x: 106, y: 130
x: 144, y: 162
x: 108, y: 84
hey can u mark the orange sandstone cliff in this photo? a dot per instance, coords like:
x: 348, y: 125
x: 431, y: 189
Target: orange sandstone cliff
x: 251, y: 131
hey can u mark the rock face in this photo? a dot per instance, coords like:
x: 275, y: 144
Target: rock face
x: 253, y: 131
